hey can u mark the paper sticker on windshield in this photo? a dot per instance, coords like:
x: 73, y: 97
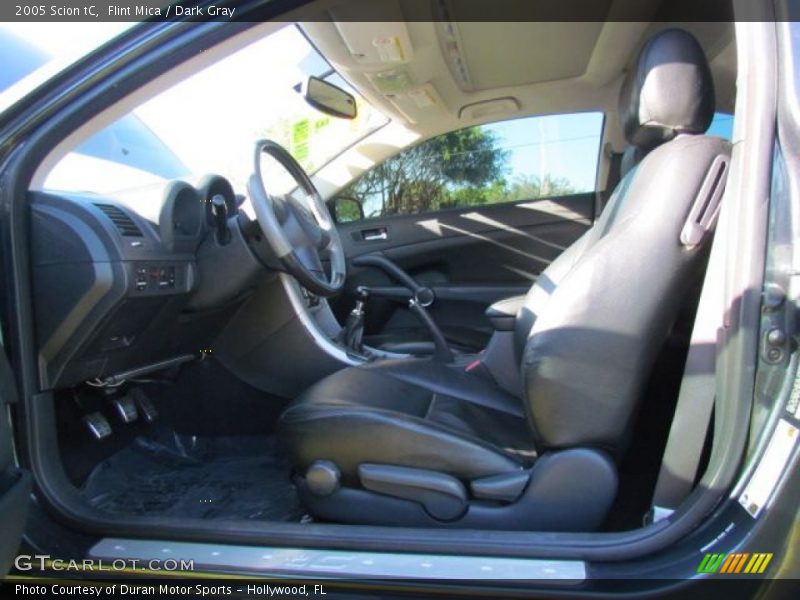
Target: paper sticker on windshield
x: 321, y: 124
x: 300, y: 131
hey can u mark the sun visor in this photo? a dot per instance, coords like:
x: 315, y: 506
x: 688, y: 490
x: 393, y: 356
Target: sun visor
x: 374, y: 43
x: 419, y: 104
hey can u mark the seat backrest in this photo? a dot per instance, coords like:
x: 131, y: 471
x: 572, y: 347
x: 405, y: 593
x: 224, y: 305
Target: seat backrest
x: 597, y: 317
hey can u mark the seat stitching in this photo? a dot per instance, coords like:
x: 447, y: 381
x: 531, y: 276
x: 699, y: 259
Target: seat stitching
x: 478, y: 400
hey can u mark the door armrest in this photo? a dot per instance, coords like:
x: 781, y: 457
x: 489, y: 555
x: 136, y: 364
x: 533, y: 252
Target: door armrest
x: 503, y: 313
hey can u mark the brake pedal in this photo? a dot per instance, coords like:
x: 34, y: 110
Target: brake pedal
x: 126, y: 409
x: 98, y: 425
x: 146, y: 406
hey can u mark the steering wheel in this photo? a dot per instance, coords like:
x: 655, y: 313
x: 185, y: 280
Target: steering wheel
x: 301, y: 231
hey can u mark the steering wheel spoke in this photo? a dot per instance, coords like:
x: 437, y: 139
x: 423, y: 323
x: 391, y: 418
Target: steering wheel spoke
x: 310, y: 259
x: 278, y: 204
x: 301, y: 231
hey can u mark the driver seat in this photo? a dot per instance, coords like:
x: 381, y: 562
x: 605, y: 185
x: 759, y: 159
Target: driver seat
x: 416, y: 443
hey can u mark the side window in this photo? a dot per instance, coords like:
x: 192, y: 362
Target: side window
x: 721, y: 126
x: 520, y: 159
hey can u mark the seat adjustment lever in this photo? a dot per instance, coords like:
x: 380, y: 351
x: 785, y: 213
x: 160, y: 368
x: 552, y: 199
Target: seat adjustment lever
x: 506, y: 487
x: 442, y: 496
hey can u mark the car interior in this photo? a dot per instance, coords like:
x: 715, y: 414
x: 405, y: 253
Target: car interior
x: 234, y: 349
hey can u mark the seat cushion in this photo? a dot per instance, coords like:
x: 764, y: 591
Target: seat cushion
x: 413, y: 413
x: 416, y: 340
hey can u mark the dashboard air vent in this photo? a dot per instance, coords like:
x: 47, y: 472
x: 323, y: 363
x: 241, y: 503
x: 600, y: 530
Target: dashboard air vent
x: 123, y: 222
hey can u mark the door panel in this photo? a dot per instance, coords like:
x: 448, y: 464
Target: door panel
x: 471, y: 257
x: 15, y: 484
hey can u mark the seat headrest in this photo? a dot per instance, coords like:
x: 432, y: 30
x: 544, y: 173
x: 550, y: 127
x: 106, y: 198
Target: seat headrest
x: 669, y: 90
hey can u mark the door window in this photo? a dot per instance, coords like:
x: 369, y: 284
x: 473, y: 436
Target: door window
x: 509, y: 161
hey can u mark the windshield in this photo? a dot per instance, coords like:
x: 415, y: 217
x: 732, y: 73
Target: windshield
x: 27, y: 58
x: 209, y: 122
x: 34, y: 52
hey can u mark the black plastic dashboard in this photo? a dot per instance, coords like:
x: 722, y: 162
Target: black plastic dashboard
x: 111, y: 288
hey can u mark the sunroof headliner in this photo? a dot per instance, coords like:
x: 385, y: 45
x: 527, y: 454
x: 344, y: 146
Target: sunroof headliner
x: 521, y: 53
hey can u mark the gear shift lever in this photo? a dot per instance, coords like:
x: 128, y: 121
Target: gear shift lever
x: 352, y: 335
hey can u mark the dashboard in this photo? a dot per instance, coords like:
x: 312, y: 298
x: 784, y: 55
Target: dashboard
x: 115, y: 291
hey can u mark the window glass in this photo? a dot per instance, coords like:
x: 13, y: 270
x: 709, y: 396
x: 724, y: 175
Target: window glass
x: 721, y: 126
x: 130, y: 142
x: 208, y: 123
x: 35, y: 51
x: 521, y: 159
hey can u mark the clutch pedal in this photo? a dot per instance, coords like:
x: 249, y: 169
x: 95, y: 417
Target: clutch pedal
x: 98, y: 425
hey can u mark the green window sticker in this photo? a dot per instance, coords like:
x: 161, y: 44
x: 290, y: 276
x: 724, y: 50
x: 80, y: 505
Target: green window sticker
x: 300, y: 131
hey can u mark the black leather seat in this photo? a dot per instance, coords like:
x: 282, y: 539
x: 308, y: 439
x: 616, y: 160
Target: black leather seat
x: 418, y: 443
x: 462, y: 423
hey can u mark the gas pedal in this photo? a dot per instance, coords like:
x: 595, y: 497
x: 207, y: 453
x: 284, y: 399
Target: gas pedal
x: 146, y: 406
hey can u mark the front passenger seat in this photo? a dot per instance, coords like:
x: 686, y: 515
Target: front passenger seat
x: 412, y: 442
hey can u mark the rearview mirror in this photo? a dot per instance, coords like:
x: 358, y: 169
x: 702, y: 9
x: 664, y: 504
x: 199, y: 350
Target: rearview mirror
x: 330, y: 99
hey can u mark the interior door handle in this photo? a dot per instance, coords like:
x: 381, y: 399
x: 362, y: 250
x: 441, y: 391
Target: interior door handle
x: 377, y: 234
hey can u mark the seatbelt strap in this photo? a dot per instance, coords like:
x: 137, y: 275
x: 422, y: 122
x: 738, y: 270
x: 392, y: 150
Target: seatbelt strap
x: 614, y: 175
x: 614, y: 170
x: 695, y: 404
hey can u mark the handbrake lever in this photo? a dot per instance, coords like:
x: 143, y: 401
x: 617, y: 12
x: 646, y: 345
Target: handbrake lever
x: 441, y: 349
x: 422, y: 294
x: 421, y: 297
